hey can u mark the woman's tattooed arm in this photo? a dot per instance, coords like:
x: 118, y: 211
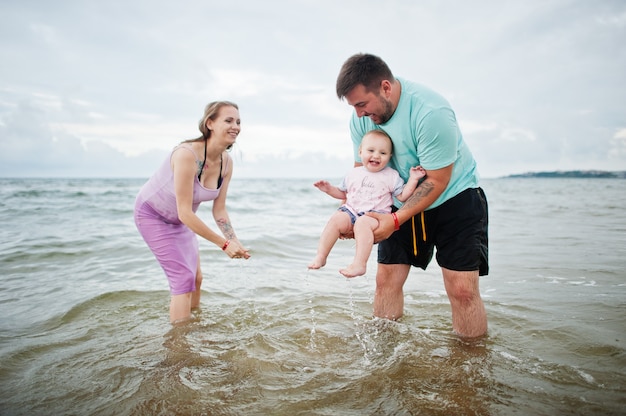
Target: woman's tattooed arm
x: 226, y: 228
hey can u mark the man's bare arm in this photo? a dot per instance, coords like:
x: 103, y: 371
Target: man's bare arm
x: 426, y: 193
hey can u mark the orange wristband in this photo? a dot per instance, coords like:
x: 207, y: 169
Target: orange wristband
x: 396, y: 223
x: 225, y: 244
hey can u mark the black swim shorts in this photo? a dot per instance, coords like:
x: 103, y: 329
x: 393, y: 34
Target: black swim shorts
x: 457, y: 228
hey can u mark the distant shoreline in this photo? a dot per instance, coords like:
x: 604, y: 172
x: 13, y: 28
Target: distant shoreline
x: 600, y: 174
x: 594, y: 174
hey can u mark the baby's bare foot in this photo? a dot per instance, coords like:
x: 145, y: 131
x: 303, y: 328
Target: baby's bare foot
x: 317, y: 263
x: 353, y: 270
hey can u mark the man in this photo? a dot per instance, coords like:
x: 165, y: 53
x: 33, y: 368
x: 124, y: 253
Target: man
x: 447, y: 210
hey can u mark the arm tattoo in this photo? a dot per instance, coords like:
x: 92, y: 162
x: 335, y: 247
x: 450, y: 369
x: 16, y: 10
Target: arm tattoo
x: 226, y: 228
x: 420, y: 192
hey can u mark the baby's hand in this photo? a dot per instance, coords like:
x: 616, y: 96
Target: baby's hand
x: 417, y: 172
x: 323, y: 186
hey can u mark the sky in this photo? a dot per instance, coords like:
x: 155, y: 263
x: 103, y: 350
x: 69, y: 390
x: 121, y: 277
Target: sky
x: 106, y: 88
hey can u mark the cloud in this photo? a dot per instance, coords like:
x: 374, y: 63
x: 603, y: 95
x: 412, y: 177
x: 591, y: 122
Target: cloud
x: 312, y: 165
x: 617, y: 149
x: 97, y: 85
x: 31, y: 148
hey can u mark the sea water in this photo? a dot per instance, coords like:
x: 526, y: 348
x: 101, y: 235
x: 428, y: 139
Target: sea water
x: 85, y: 328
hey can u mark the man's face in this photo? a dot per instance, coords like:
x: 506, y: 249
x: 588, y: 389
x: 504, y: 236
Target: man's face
x: 369, y: 104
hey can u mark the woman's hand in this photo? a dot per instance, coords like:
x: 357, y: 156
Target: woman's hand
x: 235, y: 250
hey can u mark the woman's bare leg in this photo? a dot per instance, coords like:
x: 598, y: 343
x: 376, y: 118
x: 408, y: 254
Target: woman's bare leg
x: 180, y: 308
x: 181, y: 305
x: 195, y: 296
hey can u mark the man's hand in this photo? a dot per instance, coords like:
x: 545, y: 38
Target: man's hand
x: 347, y: 236
x: 386, y: 226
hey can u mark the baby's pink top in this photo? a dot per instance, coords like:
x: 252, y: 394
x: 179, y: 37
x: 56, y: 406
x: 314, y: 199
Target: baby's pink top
x: 371, y: 191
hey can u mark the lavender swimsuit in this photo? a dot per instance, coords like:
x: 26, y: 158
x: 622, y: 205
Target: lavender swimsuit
x: 174, y: 245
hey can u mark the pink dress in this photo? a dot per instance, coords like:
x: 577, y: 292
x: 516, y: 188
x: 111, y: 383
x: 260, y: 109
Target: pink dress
x: 174, y: 245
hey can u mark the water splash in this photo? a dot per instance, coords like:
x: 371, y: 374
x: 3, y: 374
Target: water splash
x: 312, y: 343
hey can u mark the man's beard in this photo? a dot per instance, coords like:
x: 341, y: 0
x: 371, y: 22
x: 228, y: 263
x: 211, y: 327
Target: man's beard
x: 387, y: 112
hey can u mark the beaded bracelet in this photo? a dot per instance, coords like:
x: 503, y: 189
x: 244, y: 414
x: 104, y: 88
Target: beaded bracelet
x: 225, y: 244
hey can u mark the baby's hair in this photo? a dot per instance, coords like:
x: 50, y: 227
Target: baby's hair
x: 381, y: 133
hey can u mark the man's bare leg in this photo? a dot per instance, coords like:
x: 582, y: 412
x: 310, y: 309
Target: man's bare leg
x: 389, y: 297
x: 469, y: 318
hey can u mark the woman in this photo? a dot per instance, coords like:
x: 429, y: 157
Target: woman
x: 197, y: 170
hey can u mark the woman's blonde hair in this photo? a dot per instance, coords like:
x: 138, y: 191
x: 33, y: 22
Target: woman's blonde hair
x: 210, y: 113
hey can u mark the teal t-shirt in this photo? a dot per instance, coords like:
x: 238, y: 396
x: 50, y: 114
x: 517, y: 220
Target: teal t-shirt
x: 424, y: 132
